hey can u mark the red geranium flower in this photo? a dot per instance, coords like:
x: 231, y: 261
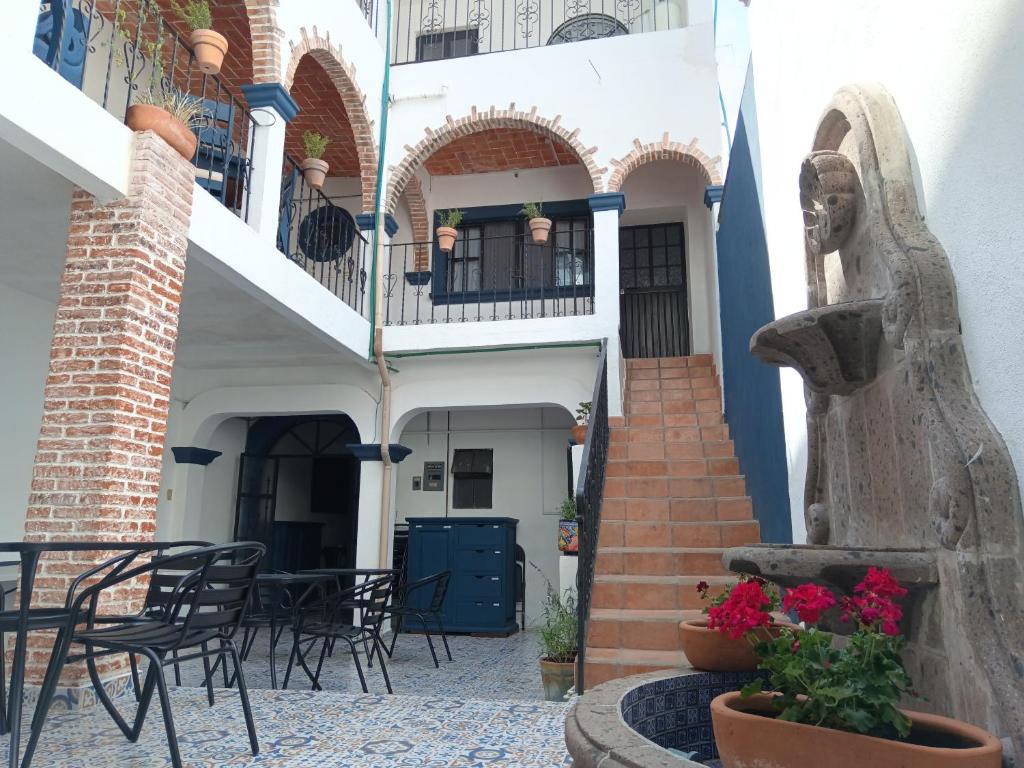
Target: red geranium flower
x: 809, y: 601
x: 743, y: 611
x: 873, y: 604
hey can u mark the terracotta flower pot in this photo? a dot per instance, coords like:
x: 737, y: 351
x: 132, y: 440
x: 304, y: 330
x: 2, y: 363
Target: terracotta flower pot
x: 747, y: 734
x: 446, y: 238
x: 540, y: 228
x: 210, y: 49
x: 558, y: 678
x: 146, y: 117
x: 314, y: 171
x: 579, y: 434
x: 568, y: 536
x: 713, y: 651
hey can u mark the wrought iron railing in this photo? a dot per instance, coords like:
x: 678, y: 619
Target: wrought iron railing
x: 369, y: 9
x: 427, y: 30
x: 322, y: 238
x: 489, y: 278
x: 589, y: 495
x: 115, y: 51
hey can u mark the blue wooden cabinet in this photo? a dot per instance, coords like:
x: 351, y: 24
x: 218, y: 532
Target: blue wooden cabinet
x: 480, y: 553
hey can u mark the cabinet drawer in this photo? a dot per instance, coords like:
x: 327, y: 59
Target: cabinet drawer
x: 476, y: 585
x: 480, y: 560
x: 480, y: 613
x: 480, y: 535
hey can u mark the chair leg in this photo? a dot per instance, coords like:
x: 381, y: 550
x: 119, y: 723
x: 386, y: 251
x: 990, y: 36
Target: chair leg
x: 377, y: 642
x: 208, y: 673
x: 305, y: 667
x: 444, y: 638
x: 136, y: 682
x: 430, y: 642
x: 359, y: 667
x: 177, y: 669
x: 165, y: 706
x: 243, y: 694
x: 291, y: 660
x: 3, y: 682
x: 394, y: 636
x: 319, y: 667
x: 56, y: 666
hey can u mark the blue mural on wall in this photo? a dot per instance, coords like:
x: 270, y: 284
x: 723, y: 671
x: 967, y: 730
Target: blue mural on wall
x: 753, y: 397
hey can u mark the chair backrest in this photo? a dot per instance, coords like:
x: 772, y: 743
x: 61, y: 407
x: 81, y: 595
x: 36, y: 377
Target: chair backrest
x: 287, y: 211
x: 373, y: 597
x: 216, y: 124
x: 440, y: 590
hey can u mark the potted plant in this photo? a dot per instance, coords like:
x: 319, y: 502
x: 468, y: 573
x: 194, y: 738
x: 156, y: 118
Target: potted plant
x: 170, y: 115
x: 838, y: 699
x: 559, y: 640
x: 713, y: 644
x: 539, y: 226
x: 314, y: 169
x: 209, y: 47
x: 579, y: 432
x: 568, y: 527
x: 446, y: 229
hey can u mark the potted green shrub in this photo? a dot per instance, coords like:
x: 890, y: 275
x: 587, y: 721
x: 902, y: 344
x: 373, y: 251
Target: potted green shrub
x: 171, y: 115
x: 559, y: 641
x: 579, y: 432
x: 314, y: 168
x: 446, y: 229
x: 539, y: 225
x: 209, y: 47
x: 568, y: 527
x: 839, y: 700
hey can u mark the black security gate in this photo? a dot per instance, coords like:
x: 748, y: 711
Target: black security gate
x: 652, y: 278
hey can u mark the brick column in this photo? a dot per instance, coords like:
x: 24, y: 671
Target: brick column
x: 97, y: 466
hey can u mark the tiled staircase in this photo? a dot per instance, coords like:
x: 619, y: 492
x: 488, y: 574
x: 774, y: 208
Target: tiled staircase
x: 673, y: 500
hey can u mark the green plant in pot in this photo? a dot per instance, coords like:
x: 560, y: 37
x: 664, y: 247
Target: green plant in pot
x: 539, y: 225
x: 835, y: 699
x: 559, y: 641
x: 171, y: 115
x: 447, y: 228
x: 314, y: 167
x: 209, y: 47
x: 579, y: 432
x: 568, y: 527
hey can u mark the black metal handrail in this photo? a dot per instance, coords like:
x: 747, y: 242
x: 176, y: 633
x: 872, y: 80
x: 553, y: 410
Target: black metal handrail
x: 506, y: 277
x: 118, y: 50
x: 589, y: 495
x: 369, y: 9
x: 322, y: 238
x: 427, y: 30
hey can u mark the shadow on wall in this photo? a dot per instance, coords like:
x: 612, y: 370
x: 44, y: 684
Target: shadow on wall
x: 753, y: 399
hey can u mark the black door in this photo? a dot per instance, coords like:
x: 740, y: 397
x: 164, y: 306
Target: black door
x: 652, y: 280
x: 257, y: 498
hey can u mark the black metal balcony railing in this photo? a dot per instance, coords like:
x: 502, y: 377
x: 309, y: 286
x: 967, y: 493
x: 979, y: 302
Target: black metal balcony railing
x: 115, y: 51
x: 322, y: 238
x: 427, y: 30
x: 489, y: 278
x: 369, y: 9
x: 589, y: 496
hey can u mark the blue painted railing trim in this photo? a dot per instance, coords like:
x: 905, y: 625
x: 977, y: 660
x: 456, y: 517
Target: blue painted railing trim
x: 271, y: 95
x: 192, y: 455
x: 607, y: 201
x: 371, y: 451
x: 713, y: 194
x: 367, y: 221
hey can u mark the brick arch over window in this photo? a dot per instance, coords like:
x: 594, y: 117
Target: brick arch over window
x: 476, y: 122
x: 666, y: 149
x: 266, y: 40
x: 418, y: 221
x: 343, y: 75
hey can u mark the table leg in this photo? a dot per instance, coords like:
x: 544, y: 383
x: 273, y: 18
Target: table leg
x: 273, y: 650
x: 29, y: 561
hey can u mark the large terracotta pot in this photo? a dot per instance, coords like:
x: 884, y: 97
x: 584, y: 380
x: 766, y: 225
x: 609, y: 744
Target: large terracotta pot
x: 558, y: 678
x: 579, y: 434
x: 539, y: 228
x: 314, y: 171
x: 210, y: 49
x: 446, y: 238
x: 713, y: 651
x: 147, y: 117
x: 748, y: 734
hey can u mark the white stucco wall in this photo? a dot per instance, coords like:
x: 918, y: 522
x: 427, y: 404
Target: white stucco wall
x: 955, y: 72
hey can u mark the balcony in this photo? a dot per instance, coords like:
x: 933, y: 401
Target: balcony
x: 429, y: 30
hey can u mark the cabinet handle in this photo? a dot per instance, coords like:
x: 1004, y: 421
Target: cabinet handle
x: 495, y: 578
x: 497, y: 551
x: 446, y: 527
x: 496, y: 605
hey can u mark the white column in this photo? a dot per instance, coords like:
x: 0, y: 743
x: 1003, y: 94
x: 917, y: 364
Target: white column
x: 606, y: 298
x: 368, y: 533
x: 267, y: 163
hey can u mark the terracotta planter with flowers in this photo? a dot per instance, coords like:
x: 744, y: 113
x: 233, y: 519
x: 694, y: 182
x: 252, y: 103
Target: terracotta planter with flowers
x: 711, y: 651
x: 446, y: 238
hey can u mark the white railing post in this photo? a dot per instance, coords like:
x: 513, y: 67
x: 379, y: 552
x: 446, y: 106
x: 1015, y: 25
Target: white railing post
x: 272, y: 109
x: 606, y: 208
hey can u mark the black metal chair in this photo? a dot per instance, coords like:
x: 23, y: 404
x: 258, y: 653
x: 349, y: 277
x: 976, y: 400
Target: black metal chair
x: 321, y: 614
x: 521, y: 584
x: 403, y: 609
x: 7, y: 587
x: 205, y: 594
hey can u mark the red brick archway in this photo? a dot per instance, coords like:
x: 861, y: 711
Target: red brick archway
x: 418, y: 221
x: 346, y: 123
x: 566, y: 145
x: 642, y: 154
x: 266, y: 40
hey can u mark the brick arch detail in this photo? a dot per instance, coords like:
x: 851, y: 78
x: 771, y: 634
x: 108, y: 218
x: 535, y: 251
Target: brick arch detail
x: 266, y: 39
x: 419, y: 221
x: 476, y: 122
x: 343, y: 75
x: 642, y: 154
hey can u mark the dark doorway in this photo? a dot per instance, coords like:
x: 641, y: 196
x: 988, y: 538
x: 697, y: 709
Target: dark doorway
x: 298, y: 491
x: 654, y: 319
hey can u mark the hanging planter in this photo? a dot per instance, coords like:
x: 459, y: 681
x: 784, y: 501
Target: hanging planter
x: 314, y: 169
x: 540, y: 226
x: 170, y: 116
x: 568, y: 527
x: 209, y: 47
x: 446, y: 230
x: 579, y: 432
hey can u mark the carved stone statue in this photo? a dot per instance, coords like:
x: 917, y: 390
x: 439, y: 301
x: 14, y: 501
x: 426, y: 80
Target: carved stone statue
x: 902, y: 460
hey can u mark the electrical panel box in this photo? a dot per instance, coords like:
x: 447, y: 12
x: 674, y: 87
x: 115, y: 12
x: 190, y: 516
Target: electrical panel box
x: 433, y: 476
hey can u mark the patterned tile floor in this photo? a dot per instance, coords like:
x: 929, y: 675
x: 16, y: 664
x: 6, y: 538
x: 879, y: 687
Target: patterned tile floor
x: 484, y: 709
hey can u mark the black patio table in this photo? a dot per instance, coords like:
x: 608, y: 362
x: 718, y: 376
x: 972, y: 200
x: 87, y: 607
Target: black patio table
x: 29, y: 618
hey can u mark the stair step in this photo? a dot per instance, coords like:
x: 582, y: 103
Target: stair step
x: 668, y: 434
x: 717, y: 467
x: 659, y: 561
x: 722, y: 449
x: 696, y: 510
x: 651, y: 592
x: 675, y: 487
x: 644, y: 630
x: 689, y: 534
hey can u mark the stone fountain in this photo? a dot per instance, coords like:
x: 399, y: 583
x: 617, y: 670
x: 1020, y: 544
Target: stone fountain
x: 905, y: 470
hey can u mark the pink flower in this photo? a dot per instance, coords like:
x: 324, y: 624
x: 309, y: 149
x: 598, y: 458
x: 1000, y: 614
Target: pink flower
x: 809, y: 601
x: 742, y: 612
x: 873, y: 604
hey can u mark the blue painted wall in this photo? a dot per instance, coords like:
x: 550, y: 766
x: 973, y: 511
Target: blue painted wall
x: 753, y: 400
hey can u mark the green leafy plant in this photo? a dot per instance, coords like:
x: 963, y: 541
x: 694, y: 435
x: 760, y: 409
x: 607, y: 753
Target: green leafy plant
x: 567, y: 511
x: 195, y: 13
x: 451, y: 218
x: 184, y: 107
x: 139, y: 42
x: 532, y: 211
x: 314, y: 144
x: 583, y: 412
x: 559, y: 636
